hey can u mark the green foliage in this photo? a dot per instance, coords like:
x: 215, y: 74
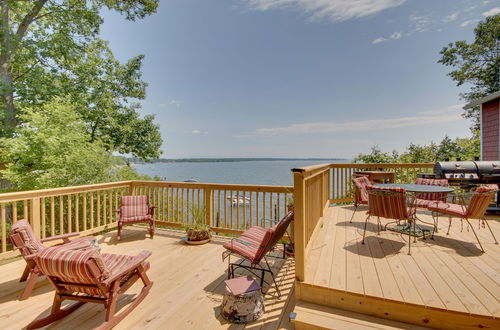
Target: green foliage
x: 53, y: 149
x: 52, y: 48
x: 463, y: 148
x: 476, y: 63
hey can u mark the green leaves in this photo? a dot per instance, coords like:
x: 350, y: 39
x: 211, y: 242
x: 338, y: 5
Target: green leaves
x: 477, y: 63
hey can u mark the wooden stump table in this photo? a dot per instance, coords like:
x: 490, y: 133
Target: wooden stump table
x: 243, y: 301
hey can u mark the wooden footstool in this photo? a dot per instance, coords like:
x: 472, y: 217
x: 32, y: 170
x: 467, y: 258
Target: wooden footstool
x: 243, y: 301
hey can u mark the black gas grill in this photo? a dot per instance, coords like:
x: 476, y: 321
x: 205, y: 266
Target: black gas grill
x: 468, y: 175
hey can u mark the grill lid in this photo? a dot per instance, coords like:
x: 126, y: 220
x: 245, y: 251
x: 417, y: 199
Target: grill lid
x: 443, y: 168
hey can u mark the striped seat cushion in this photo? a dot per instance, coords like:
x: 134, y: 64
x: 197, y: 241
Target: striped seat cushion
x: 31, y: 243
x: 360, y: 184
x: 251, y: 246
x: 448, y: 208
x: 139, y: 218
x: 431, y: 196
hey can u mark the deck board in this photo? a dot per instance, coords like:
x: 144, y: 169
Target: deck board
x: 448, y: 273
x: 187, y: 290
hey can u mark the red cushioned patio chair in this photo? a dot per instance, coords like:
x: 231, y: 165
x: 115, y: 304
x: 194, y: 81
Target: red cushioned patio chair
x: 136, y: 209
x: 474, y: 209
x: 390, y: 203
x: 253, y: 246
x: 89, y: 276
x: 423, y: 200
x: 360, y: 195
x: 23, y: 238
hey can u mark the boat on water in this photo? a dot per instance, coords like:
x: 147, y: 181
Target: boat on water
x: 190, y: 180
x: 238, y: 200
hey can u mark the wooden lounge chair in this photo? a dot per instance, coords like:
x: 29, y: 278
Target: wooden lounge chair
x: 29, y: 245
x: 253, y: 246
x: 474, y: 209
x: 389, y: 203
x: 136, y: 209
x: 360, y: 195
x: 89, y: 276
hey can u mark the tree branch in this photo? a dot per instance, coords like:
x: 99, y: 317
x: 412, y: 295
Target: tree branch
x: 29, y: 18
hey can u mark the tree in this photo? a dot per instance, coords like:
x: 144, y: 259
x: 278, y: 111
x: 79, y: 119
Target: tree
x: 477, y: 63
x: 377, y: 156
x: 51, y: 48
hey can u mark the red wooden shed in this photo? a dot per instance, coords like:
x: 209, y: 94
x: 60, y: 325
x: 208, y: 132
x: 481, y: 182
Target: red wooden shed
x: 490, y: 125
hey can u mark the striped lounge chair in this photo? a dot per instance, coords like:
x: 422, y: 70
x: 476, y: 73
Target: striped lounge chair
x: 89, y: 276
x: 360, y: 195
x: 474, y: 209
x: 253, y: 246
x: 136, y: 209
x: 389, y: 203
x: 24, y: 239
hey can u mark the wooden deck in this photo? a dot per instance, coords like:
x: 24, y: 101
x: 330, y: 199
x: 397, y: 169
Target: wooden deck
x: 187, y: 290
x: 445, y: 282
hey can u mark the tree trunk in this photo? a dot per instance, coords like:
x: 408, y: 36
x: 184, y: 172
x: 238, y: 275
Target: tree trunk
x: 7, y: 96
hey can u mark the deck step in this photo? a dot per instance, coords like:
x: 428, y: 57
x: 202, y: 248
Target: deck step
x: 313, y: 316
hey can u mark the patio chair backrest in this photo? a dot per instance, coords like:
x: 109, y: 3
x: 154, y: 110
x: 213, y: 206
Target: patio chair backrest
x: 360, y: 184
x: 23, y: 238
x: 73, y: 267
x: 272, y: 236
x: 480, y: 201
x: 133, y: 206
x: 429, y: 195
x: 387, y: 202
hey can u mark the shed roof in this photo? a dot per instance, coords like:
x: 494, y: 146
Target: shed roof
x: 482, y: 100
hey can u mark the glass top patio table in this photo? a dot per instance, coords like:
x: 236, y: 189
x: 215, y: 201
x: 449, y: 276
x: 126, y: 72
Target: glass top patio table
x: 417, y: 188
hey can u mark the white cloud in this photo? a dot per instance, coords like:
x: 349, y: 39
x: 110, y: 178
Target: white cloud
x: 420, y: 23
x: 197, y: 131
x: 175, y: 103
x: 451, y: 108
x: 332, y: 10
x: 359, y: 126
x: 379, y: 40
x: 451, y: 17
x: 394, y: 36
x: 492, y: 12
x: 469, y: 22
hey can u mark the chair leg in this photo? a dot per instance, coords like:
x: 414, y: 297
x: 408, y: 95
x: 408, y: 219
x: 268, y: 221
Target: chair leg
x: 30, y: 285
x: 118, y: 237
x: 354, y: 212
x: 477, y: 238
x: 364, y: 230
x: 409, y: 239
x: 487, y: 224
x: 449, y: 225
x: 379, y: 225
x: 151, y: 230
x: 55, y: 316
x: 26, y: 272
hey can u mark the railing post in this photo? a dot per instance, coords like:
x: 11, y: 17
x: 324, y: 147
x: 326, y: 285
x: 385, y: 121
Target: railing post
x: 35, y: 216
x: 299, y: 224
x: 207, y: 205
x: 132, y: 188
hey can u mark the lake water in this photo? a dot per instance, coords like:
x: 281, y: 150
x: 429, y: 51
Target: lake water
x: 266, y: 172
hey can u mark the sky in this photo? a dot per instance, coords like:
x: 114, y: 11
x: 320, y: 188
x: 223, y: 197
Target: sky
x: 298, y: 78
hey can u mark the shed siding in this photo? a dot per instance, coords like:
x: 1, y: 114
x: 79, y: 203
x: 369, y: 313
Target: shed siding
x: 490, y: 130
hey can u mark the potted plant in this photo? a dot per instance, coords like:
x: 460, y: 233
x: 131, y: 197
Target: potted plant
x: 197, y: 232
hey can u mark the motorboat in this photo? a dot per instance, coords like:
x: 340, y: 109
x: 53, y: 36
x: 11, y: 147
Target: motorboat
x: 238, y: 200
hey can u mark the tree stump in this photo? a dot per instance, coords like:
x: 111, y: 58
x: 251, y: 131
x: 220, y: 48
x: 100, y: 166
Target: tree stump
x: 243, y: 301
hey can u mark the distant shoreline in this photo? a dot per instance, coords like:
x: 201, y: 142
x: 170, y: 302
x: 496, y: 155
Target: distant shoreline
x: 225, y: 160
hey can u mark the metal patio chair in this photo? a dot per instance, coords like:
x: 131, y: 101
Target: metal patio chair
x: 253, y: 245
x: 360, y: 194
x: 472, y: 206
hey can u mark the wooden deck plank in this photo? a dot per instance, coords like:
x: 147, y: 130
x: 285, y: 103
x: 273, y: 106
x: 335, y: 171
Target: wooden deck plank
x: 187, y: 289
x: 338, y: 274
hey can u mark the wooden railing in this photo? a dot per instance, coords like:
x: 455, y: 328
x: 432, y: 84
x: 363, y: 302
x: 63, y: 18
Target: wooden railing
x: 316, y: 187
x: 89, y: 209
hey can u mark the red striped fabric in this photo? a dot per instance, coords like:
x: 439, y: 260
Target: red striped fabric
x: 134, y: 206
x: 250, y: 245
x: 360, y: 184
x: 31, y: 243
x: 431, y: 196
x: 481, y: 200
x: 388, y: 202
x: 448, y: 208
x: 140, y: 218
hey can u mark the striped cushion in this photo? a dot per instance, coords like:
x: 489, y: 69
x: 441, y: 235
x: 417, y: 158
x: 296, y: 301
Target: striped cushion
x: 250, y: 245
x: 432, y: 196
x: 448, y: 208
x: 31, y: 243
x: 391, y: 205
x: 140, y: 218
x: 71, y: 265
x: 481, y: 200
x: 134, y: 206
x: 360, y: 184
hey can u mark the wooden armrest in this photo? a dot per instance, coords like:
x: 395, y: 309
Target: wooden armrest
x: 30, y: 256
x: 63, y: 237
x: 136, y: 261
